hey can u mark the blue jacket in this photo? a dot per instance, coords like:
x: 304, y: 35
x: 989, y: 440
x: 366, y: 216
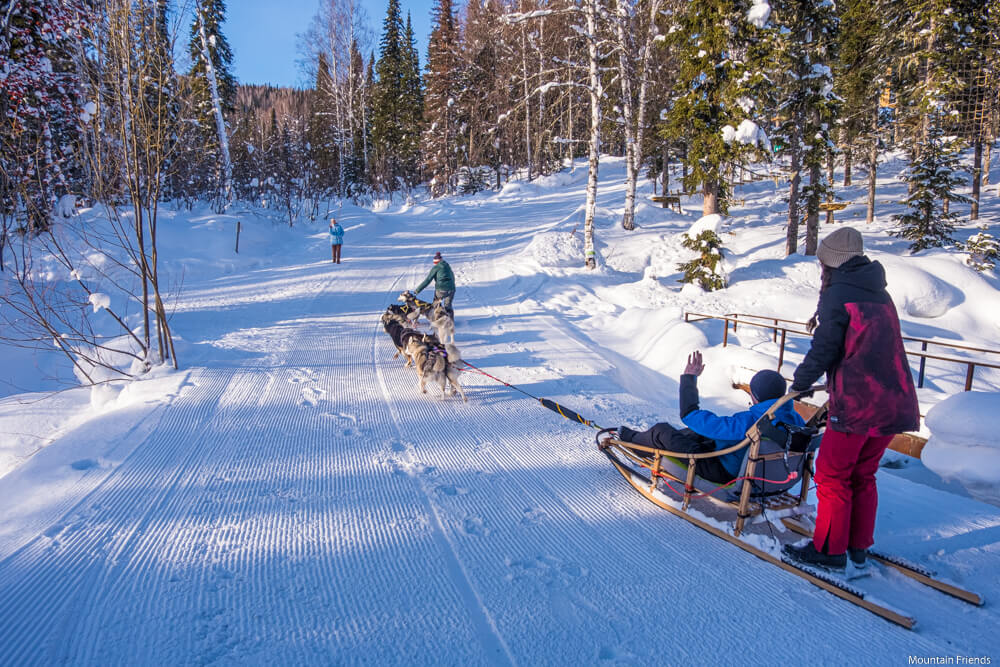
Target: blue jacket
x: 336, y: 234
x: 727, y: 431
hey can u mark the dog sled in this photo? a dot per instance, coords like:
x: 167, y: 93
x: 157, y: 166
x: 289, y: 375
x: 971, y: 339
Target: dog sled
x: 765, y: 507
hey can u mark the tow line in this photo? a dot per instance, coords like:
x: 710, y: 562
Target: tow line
x: 561, y: 410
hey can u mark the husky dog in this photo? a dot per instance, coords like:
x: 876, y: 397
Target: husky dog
x: 402, y: 333
x: 405, y: 315
x: 433, y: 364
x: 443, y: 323
x: 415, y: 305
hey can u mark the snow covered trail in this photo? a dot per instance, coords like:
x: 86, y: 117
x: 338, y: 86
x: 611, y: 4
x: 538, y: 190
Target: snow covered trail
x: 300, y: 502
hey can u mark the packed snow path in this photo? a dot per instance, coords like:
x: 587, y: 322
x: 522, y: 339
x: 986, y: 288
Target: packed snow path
x: 300, y: 502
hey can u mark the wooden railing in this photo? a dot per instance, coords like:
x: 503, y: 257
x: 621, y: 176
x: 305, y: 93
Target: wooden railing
x: 781, y: 328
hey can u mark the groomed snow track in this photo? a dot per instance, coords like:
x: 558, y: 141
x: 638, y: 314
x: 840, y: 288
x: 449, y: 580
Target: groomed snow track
x: 302, y: 503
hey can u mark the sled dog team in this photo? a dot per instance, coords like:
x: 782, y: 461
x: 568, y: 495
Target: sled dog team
x: 433, y: 357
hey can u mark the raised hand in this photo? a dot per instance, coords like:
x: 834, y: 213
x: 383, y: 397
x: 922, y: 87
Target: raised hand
x: 694, y: 365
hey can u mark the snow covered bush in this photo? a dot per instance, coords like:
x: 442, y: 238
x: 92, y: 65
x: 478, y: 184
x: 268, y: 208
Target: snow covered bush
x: 983, y: 249
x: 704, y: 270
x: 963, y: 445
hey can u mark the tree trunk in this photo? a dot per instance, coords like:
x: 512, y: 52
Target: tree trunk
x: 986, y: 164
x: 665, y: 175
x: 625, y: 76
x: 527, y: 95
x: 977, y: 170
x: 220, y: 122
x: 596, y: 93
x: 812, y: 214
x: 710, y: 192
x: 792, y: 233
x: 848, y: 154
x: 872, y: 180
x: 831, y: 160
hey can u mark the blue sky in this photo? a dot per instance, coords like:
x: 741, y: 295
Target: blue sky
x: 263, y: 35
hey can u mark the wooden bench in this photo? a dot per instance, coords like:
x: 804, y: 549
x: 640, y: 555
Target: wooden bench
x: 830, y: 207
x: 672, y: 201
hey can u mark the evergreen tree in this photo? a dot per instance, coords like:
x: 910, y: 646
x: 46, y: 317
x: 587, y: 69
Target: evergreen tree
x: 983, y: 249
x: 389, y: 119
x: 206, y: 35
x: 934, y: 179
x: 861, y: 75
x: 322, y: 130
x: 412, y: 104
x: 705, y: 270
x: 722, y: 55
x: 441, y: 81
x: 805, y: 46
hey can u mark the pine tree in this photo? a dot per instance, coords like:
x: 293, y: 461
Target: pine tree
x: 983, y: 249
x: 440, y: 83
x: 412, y: 106
x: 861, y: 75
x: 389, y: 121
x: 705, y: 270
x: 323, y: 127
x: 214, y: 91
x: 805, y: 45
x: 934, y: 180
x: 722, y: 58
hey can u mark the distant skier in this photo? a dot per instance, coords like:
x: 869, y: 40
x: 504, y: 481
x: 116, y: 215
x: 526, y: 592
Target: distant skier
x: 859, y: 346
x: 336, y: 239
x: 708, y: 432
x: 444, y: 283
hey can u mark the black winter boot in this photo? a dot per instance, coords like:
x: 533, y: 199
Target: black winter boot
x: 859, y: 557
x: 808, y: 555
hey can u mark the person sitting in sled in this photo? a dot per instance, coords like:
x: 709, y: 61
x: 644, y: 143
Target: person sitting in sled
x: 444, y: 283
x: 707, y: 431
x: 858, y: 344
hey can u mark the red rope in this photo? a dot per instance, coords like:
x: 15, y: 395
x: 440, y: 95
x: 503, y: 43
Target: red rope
x: 791, y: 475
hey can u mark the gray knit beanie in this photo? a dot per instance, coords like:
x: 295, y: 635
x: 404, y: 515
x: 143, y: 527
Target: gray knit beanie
x: 840, y: 246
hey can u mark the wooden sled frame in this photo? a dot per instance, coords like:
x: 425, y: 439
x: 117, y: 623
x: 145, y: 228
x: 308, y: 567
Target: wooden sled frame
x: 614, y: 448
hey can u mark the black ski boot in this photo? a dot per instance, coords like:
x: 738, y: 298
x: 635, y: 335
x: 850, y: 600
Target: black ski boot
x: 859, y: 558
x: 808, y: 555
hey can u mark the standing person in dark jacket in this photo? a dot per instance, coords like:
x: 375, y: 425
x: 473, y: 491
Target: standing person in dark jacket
x: 707, y: 431
x: 444, y: 283
x: 859, y: 346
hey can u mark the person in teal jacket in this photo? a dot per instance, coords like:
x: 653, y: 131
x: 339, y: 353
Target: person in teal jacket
x: 444, y: 283
x: 336, y: 239
x: 707, y: 431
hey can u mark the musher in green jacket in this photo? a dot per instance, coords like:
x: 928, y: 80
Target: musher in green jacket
x: 444, y: 283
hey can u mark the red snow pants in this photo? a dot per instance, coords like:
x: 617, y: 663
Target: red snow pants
x: 845, y: 487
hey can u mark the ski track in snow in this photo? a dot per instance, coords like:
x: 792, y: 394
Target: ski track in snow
x: 303, y: 503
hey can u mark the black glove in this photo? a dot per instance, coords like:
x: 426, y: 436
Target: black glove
x: 803, y: 393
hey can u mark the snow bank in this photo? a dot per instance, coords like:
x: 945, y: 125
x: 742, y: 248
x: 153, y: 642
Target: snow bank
x: 963, y: 445
x: 557, y: 249
x: 917, y: 292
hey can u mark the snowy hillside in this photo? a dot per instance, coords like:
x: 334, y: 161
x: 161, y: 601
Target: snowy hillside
x: 290, y: 497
